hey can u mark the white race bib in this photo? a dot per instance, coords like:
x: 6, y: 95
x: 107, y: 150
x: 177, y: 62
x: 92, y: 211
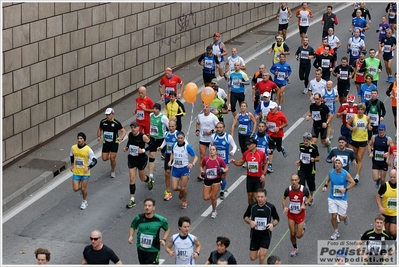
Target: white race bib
x: 337, y: 192
x: 295, y: 207
x: 79, y: 163
x: 146, y: 240
x: 108, y: 136
x: 316, y: 115
x: 140, y: 115
x: 261, y: 223
x: 379, y: 155
x: 242, y: 129
x: 253, y: 167
x: 133, y: 150
x: 305, y: 158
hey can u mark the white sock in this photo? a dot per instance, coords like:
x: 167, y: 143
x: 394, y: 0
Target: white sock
x: 132, y: 198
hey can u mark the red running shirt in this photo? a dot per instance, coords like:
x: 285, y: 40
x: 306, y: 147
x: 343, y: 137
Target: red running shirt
x: 141, y: 115
x: 276, y: 120
x: 212, y: 166
x: 351, y: 111
x: 255, y: 162
x: 170, y: 84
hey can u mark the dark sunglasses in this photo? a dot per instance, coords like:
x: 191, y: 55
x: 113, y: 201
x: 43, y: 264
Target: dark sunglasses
x: 94, y: 238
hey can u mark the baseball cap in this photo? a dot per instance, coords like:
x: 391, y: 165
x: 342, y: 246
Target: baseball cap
x: 109, y: 111
x: 266, y: 94
x: 168, y: 69
x: 216, y: 34
x: 214, y: 80
x: 273, y: 105
x: 307, y: 136
x: 351, y: 98
x: 279, y: 37
x: 342, y: 138
x: 339, y: 158
x: 209, y: 48
x: 251, y: 141
x: 157, y: 106
x: 134, y: 124
x: 382, y: 127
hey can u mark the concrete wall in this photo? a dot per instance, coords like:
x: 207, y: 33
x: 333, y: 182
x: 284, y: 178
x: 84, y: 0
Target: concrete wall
x: 63, y: 62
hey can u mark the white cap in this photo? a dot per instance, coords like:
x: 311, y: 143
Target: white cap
x: 266, y: 94
x: 109, y: 111
x: 273, y: 105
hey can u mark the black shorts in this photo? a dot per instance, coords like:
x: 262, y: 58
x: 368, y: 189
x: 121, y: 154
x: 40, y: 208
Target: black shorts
x: 253, y: 184
x: 390, y: 219
x: 148, y: 257
x: 359, y: 82
x: 234, y: 97
x: 204, y: 143
x: 260, y: 242
x: 379, y: 165
x: 137, y: 162
x: 275, y: 142
x: 319, y: 131
x: 359, y: 144
x: 282, y: 27
x: 387, y: 56
x: 303, y: 29
x: 309, y: 178
x: 210, y: 182
x: 372, y: 132
x: 155, y: 143
x: 392, y: 21
x: 165, y: 164
x: 110, y: 147
x: 394, y: 111
x: 208, y: 77
x: 343, y: 89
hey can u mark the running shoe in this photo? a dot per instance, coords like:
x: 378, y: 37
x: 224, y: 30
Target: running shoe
x: 346, y: 221
x: 180, y: 195
x: 113, y: 175
x: 131, y: 204
x: 331, y: 135
x: 284, y: 152
x: 304, y: 226
x: 390, y: 79
x: 329, y: 147
x: 221, y: 195
x: 335, y: 235
x: 167, y: 196
x: 84, y: 205
x: 377, y: 184
x: 270, y: 168
x: 184, y: 204
x: 214, y: 214
x: 357, y: 178
x: 150, y: 183
x: 310, y: 203
x: 294, y: 252
x: 162, y: 157
x: 305, y: 90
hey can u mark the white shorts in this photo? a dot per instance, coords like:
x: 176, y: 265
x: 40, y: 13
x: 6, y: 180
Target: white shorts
x: 337, y: 206
x: 222, y: 65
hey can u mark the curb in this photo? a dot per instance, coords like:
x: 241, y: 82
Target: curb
x: 48, y: 176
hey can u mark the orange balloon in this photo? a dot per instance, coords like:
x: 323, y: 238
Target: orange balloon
x: 207, y: 95
x: 190, y: 93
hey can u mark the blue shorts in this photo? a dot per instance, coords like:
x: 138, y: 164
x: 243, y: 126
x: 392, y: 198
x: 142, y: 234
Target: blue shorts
x: 79, y: 178
x: 180, y: 172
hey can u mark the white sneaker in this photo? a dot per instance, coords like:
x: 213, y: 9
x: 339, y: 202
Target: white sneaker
x: 356, y: 178
x: 335, y: 236
x: 214, y: 214
x: 84, y: 205
x: 113, y: 175
x: 305, y: 90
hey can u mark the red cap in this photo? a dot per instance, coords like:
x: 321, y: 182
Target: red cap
x: 216, y: 34
x: 351, y: 98
x: 168, y: 70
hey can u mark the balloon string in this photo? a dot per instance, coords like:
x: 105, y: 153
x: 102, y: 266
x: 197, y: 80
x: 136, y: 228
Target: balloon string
x: 191, y: 121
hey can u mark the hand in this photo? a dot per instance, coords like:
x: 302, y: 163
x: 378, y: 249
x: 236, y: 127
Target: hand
x: 120, y: 138
x: 99, y: 138
x: 71, y: 168
x: 231, y: 153
x: 344, y: 112
x: 169, y: 164
x: 324, y: 189
x: 124, y: 149
x: 197, y: 133
x: 130, y: 240
x: 86, y: 169
x: 298, y: 162
x: 285, y: 210
x: 142, y: 106
x: 162, y: 97
x: 171, y: 254
x: 162, y: 242
x: 158, y: 149
x: 269, y: 227
x: 178, y: 96
x: 324, y: 125
x: 382, y: 211
x: 371, y: 155
x: 253, y: 224
x: 190, y: 166
x: 307, y: 116
x: 311, y: 159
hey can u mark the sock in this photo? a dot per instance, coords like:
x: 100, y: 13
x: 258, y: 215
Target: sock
x: 151, y: 175
x: 224, y: 184
x: 132, y: 198
x: 336, y: 231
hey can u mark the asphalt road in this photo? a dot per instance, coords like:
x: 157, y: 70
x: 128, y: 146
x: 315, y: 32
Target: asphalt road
x: 56, y: 222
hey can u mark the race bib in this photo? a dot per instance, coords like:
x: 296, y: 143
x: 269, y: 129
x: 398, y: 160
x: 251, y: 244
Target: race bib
x: 349, y: 115
x: 261, y: 223
x: 153, y: 130
x: 235, y: 83
x: 211, y: 173
x: 379, y: 155
x: 305, y: 54
x: 373, y: 119
x: 374, y: 247
x: 344, y: 75
x: 295, y: 207
x: 316, y: 115
x: 355, y: 52
x: 392, y: 15
x: 182, y: 254
x: 330, y: 105
x: 361, y: 124
x: 272, y: 126
x: 391, y: 203
x: 372, y: 70
x: 222, y: 154
x: 208, y: 64
x: 169, y: 147
x: 168, y: 90
x: 242, y: 129
x: 146, y: 240
x: 304, y: 20
x: 337, y: 192
x: 277, y: 56
x: 140, y: 115
x: 305, y: 158
x: 281, y: 76
x: 108, y: 136
x: 79, y: 162
x: 367, y: 95
x: 133, y: 150
x: 253, y: 167
x: 325, y: 63
x: 387, y: 48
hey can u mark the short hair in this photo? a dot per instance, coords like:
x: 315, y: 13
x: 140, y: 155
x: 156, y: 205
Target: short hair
x: 272, y: 259
x: 374, y: 89
x: 344, y: 58
x: 371, y: 49
x: 361, y: 106
x: 317, y: 94
x: 150, y: 199
x: 262, y: 122
x: 330, y: 7
x: 214, y: 147
x: 181, y: 133
x: 98, y: 233
x: 223, y: 240
x: 379, y: 217
x: 220, y: 260
x: 243, y: 102
x: 262, y: 190
x: 222, y: 123
x: 43, y: 251
x: 182, y: 220
x: 172, y: 93
x: 328, y: 46
x: 369, y: 76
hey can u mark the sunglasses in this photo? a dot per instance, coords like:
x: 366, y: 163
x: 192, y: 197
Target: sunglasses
x: 94, y: 238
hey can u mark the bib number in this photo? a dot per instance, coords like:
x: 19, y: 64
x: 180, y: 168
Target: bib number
x: 260, y: 223
x: 146, y: 240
